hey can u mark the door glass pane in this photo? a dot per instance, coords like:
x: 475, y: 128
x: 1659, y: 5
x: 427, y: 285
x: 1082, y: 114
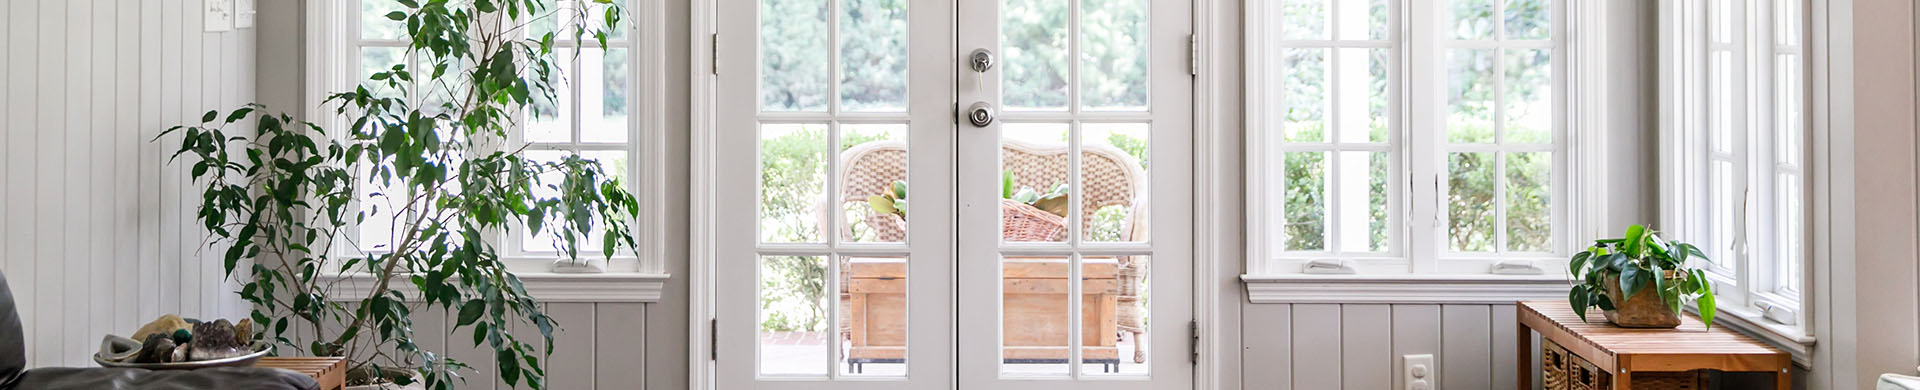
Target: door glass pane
x: 793, y: 316
x: 1113, y: 314
x: 1472, y: 19
x: 552, y: 120
x: 1470, y: 202
x: 603, y: 95
x: 1529, y: 97
x: 873, y: 186
x: 793, y: 55
x: 1305, y: 95
x: 1362, y: 20
x: 1529, y: 202
x: 1303, y: 19
x: 1034, y: 183
x: 1528, y: 19
x: 1362, y: 96
x: 1113, y: 54
x: 873, y: 55
x: 1113, y: 169
x: 1362, y: 213
x: 1304, y: 204
x: 1035, y: 324
x: 1034, y: 41
x: 1470, y: 95
x: 792, y: 181
x: 873, y: 316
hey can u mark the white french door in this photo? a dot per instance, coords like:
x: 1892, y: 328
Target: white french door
x: 966, y: 194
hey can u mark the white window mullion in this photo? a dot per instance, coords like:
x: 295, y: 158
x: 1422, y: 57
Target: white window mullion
x: 1424, y: 75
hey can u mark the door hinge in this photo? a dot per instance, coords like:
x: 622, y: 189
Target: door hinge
x: 715, y: 60
x: 713, y: 339
x: 1193, y: 342
x: 1193, y: 54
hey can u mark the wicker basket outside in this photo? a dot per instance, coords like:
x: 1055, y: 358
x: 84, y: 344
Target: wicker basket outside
x: 1554, y: 366
x: 1020, y: 222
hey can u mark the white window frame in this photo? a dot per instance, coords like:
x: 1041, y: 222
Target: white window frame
x: 1756, y: 284
x: 333, y: 63
x: 1419, y: 249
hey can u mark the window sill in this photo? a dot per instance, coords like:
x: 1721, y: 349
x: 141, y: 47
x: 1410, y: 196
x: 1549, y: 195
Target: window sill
x: 633, y: 287
x: 1749, y: 320
x: 1424, y: 289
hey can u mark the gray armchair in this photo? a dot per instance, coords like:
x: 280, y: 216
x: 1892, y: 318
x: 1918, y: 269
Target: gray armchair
x: 14, y: 375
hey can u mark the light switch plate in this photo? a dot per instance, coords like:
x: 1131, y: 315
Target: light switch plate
x: 1418, y: 372
x: 219, y: 15
x: 244, y: 12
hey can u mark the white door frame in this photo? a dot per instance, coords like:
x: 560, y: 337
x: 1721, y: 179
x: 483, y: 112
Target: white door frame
x: 1214, y: 308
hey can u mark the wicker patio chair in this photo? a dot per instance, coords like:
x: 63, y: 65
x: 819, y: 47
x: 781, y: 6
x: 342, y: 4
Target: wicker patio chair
x: 1110, y: 177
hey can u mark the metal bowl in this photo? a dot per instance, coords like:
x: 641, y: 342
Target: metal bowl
x: 260, y: 349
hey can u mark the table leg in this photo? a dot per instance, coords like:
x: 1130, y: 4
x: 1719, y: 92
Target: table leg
x: 1783, y: 380
x: 1623, y: 381
x: 1524, y: 356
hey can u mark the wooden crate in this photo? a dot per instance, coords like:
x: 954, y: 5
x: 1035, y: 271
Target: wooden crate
x: 1034, y: 302
x: 331, y: 372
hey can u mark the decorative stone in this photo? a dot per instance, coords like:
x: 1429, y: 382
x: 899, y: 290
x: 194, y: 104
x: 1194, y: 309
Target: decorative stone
x: 166, y: 324
x: 215, y: 340
x: 181, y: 353
x: 182, y: 336
x: 243, y: 332
x: 156, y: 349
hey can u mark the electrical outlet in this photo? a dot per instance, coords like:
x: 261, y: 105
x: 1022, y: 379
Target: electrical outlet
x: 219, y: 15
x: 1419, y: 372
x: 244, y: 12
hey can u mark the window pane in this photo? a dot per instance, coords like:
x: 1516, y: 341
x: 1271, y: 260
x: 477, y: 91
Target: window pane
x: 793, y: 55
x: 1034, y: 36
x: 1720, y: 20
x: 873, y: 55
x: 603, y: 93
x: 1470, y: 202
x: 1113, y: 169
x: 1305, y: 95
x: 1470, y: 95
x: 552, y: 120
x: 1529, y: 19
x: 1787, y: 22
x: 1303, y: 19
x: 1361, y: 19
x: 1529, y: 95
x: 556, y: 14
x: 1362, y: 103
x: 873, y: 311
x: 1472, y: 19
x: 374, y: 23
x: 1791, y: 221
x: 381, y: 199
x: 1787, y: 81
x: 874, y: 158
x: 614, y: 163
x: 1379, y: 238
x: 545, y: 240
x: 1720, y: 101
x: 1304, y: 204
x: 1529, y: 202
x: 792, y: 181
x: 1121, y: 294
x: 599, y: 17
x: 382, y: 59
x: 1113, y: 54
x: 1361, y: 207
x: 1034, y: 185
x: 793, y: 316
x: 1723, y: 202
x: 1035, y: 318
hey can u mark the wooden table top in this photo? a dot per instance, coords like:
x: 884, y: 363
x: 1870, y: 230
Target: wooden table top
x: 329, y: 371
x: 1605, y: 344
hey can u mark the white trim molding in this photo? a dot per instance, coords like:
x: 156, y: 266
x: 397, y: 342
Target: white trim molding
x: 545, y: 287
x: 1422, y: 289
x: 1786, y: 337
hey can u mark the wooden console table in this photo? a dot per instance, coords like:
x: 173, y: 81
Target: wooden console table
x: 331, y: 372
x: 1624, y: 351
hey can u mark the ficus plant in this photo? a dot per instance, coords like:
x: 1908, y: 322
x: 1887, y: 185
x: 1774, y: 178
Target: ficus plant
x: 1642, y: 260
x: 281, y: 199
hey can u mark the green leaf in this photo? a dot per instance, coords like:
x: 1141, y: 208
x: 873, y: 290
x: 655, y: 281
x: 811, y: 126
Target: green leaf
x: 1706, y: 304
x: 1579, y: 260
x: 1630, y: 281
x: 1636, y: 234
x: 209, y: 116
x: 1578, y: 297
x: 397, y: 15
x: 471, y: 311
x: 1660, y: 284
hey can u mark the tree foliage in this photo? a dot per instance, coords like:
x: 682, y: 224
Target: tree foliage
x: 282, y: 199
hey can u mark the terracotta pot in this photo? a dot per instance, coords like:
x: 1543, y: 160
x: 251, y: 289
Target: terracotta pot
x: 1644, y: 309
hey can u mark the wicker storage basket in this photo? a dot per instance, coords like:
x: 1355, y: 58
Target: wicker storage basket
x: 1582, y: 375
x: 1553, y: 366
x: 1022, y: 222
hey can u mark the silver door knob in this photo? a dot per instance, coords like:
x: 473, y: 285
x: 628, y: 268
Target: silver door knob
x: 980, y: 114
x: 981, y: 60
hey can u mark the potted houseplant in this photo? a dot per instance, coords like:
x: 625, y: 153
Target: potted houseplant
x: 1640, y: 281
x: 281, y: 198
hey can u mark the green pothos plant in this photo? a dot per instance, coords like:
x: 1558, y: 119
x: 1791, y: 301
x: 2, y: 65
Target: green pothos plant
x: 281, y: 198
x: 1641, y: 260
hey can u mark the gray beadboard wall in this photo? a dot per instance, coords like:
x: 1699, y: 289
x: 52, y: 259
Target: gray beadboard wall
x: 1359, y: 346
x: 97, y: 231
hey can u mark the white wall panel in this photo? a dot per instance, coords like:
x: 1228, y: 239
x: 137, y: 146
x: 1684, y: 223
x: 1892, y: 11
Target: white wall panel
x: 1267, y: 347
x: 1366, y: 344
x: 1359, y: 346
x: 97, y: 230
